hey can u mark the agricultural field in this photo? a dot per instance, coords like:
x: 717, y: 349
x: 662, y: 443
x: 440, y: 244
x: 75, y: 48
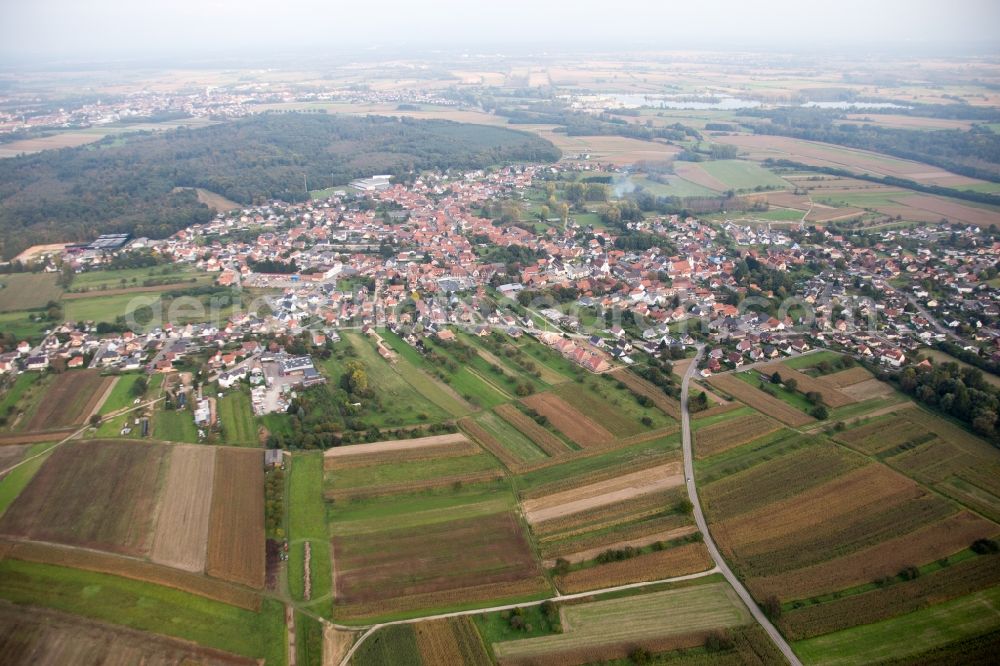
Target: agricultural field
x: 722, y: 175
x: 236, y: 522
x: 831, y: 395
x: 754, y: 397
x: 568, y: 420
x: 615, y: 408
x: 137, y: 278
x: 508, y: 444
x: 69, y: 400
x: 181, y: 536
x: 41, y: 636
x: 444, y: 461
x: 539, y: 436
x: 237, y: 419
x: 934, y: 452
x: 446, y: 547
x: 910, y: 635
x: 141, y: 606
x: 833, y: 533
x: 307, y: 523
x: 452, y: 641
x: 64, y: 504
x: 28, y: 291
x: 732, y: 431
x: 121, y: 395
x: 609, y: 629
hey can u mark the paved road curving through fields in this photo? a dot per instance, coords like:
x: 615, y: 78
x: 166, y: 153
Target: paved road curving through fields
x: 699, y: 518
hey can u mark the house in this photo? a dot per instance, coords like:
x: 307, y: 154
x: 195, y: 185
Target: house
x: 75, y: 362
x: 37, y: 362
x: 893, y: 357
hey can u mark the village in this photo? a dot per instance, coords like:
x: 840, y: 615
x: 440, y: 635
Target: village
x: 416, y: 259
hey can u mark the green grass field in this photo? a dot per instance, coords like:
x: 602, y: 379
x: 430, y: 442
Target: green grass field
x: 408, y: 471
x: 907, y: 635
x: 236, y: 415
x: 674, y: 187
x: 14, y: 482
x: 18, y: 391
x: 307, y: 522
x: 810, y: 360
x: 27, y: 291
x: 401, y: 402
x: 793, y: 398
x: 21, y: 325
x: 741, y: 175
x: 409, y: 367
x: 395, y: 644
x: 362, y: 516
x: 615, y: 621
x: 121, y: 395
x: 175, y: 426
x: 511, y: 438
x: 148, y: 608
x: 137, y: 277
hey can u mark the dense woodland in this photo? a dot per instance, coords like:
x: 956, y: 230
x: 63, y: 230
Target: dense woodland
x: 73, y: 194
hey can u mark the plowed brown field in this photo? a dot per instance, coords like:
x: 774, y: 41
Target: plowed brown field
x: 236, y: 532
x: 569, y: 420
x: 678, y: 561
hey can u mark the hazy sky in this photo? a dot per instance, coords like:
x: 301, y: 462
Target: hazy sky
x: 92, y: 29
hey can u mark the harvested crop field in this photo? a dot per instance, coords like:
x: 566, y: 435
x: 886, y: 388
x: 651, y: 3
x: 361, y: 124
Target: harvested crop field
x: 462, y: 560
x: 545, y: 440
x: 867, y: 390
x: 832, y: 396
x: 236, y: 526
x: 628, y: 621
x: 591, y: 553
x: 31, y: 635
x: 569, y: 420
x: 730, y: 433
x: 864, y: 489
x: 761, y: 401
x: 953, y: 212
x: 771, y: 473
x: 99, y: 494
x: 463, y: 447
x: 848, y: 377
x: 941, y: 539
x: 617, y: 489
x: 451, y: 641
x: 678, y: 561
x: 135, y: 569
x: 181, y: 536
x: 394, y: 445
x: 70, y: 400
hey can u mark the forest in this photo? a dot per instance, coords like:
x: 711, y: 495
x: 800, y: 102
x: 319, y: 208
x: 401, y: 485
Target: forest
x: 128, y: 184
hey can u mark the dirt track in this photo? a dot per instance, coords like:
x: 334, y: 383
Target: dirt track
x: 618, y: 489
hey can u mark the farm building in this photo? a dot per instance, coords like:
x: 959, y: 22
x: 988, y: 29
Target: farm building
x: 295, y: 365
x: 272, y: 457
